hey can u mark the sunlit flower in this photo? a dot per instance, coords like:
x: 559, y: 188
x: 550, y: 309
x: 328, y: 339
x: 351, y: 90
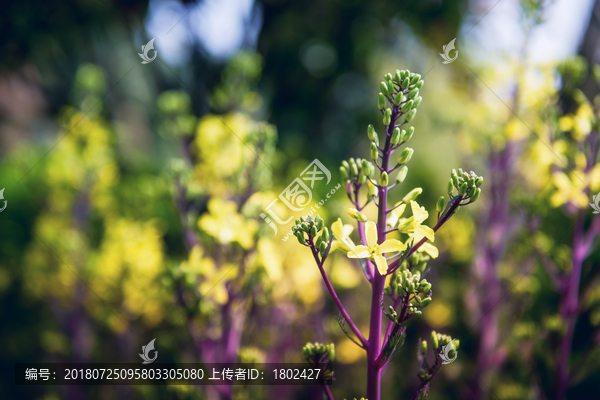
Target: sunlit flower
x: 374, y: 251
x: 342, y: 236
x: 569, y: 189
x: 429, y: 249
x: 412, y: 226
x: 226, y: 225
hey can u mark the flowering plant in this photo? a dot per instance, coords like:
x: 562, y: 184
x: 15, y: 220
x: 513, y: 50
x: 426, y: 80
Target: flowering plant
x: 394, y: 267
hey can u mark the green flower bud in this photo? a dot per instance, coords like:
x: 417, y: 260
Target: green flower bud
x: 406, y: 136
x: 405, y: 156
x: 456, y: 344
x: 479, y: 181
x: 320, y: 224
x: 463, y: 189
x: 398, y: 99
x: 425, y: 287
x: 358, y: 162
x: 318, y: 242
x: 423, y: 347
x: 384, y: 88
x: 398, y: 77
x: 476, y: 195
x: 412, y: 195
x: 323, y: 248
x: 371, y: 132
x: 365, y: 168
x: 406, y: 107
x: 331, y: 352
x: 359, y: 216
x: 417, y: 102
x: 441, y: 204
x: 300, y: 236
x: 381, y: 101
x: 405, y: 84
x: 450, y: 186
x: 346, y: 165
x: 313, y: 231
x: 395, y: 137
x: 402, y: 174
x: 374, y: 154
x: 343, y: 172
x: 413, y: 93
x: 388, y: 77
x: 383, y: 179
x: 353, y: 169
x: 434, y: 340
x: 387, y: 116
x: 305, y: 352
x: 404, y: 73
x: 415, y: 79
x: 471, y: 191
x: 411, y: 115
x: 362, y: 179
x: 425, y: 302
x: 420, y: 84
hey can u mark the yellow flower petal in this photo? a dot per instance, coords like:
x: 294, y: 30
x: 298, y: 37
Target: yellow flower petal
x: 338, y: 229
x: 429, y: 249
x: 359, y: 252
x: 391, y: 245
x: 371, y: 233
x: 381, y: 263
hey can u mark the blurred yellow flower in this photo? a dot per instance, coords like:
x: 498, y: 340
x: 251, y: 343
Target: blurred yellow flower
x: 226, y: 225
x: 570, y: 189
x: 374, y: 251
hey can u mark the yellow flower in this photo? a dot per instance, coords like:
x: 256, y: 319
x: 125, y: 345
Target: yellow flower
x: 226, y: 225
x: 412, y: 226
x: 396, y: 214
x: 342, y: 236
x: 429, y: 249
x: 570, y: 190
x: 374, y: 251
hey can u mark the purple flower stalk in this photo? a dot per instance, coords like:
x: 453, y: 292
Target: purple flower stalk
x: 404, y: 260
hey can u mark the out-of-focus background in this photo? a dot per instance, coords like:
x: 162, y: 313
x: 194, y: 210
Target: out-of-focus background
x: 134, y: 191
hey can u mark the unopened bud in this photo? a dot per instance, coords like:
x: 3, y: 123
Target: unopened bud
x: 424, y: 347
x: 405, y: 156
x: 450, y: 186
x: 381, y: 101
x: 300, y: 236
x: 425, y: 302
x: 405, y: 83
x: 417, y: 102
x: 383, y: 179
x: 384, y: 88
x: 371, y: 132
x: 412, y: 195
x: 398, y: 77
x: 387, y: 116
x: 374, y: 154
x: 434, y: 340
x: 463, y: 189
x: 476, y: 195
x: 471, y: 191
x: 365, y: 168
x: 398, y: 99
x: 407, y: 135
x: 441, y: 204
x: 413, y: 93
x: 313, y: 231
x: 362, y: 178
x: 402, y: 174
x: 346, y: 165
x: 331, y: 352
x: 395, y: 136
x: 343, y: 172
x: 411, y: 115
x: 415, y: 79
x: 479, y: 181
x: 323, y: 248
x: 325, y: 234
x: 420, y: 84
x: 353, y: 168
x: 406, y: 107
x: 456, y: 344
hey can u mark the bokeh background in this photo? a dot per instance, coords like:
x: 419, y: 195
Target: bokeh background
x: 134, y: 190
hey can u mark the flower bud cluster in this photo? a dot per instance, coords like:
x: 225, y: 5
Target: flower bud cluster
x: 439, y: 340
x: 357, y: 170
x: 416, y: 262
x: 402, y: 92
x: 466, y: 184
x: 317, y: 352
x: 412, y: 284
x: 308, y: 229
